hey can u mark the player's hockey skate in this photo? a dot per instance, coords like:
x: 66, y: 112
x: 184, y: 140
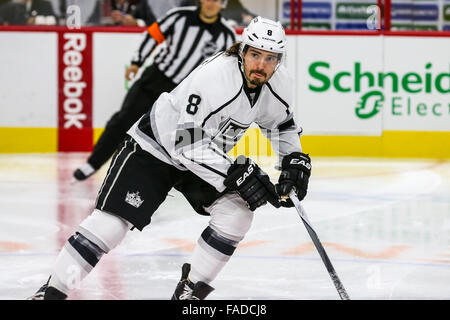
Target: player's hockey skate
x: 83, y: 172
x: 47, y: 292
x: 186, y: 290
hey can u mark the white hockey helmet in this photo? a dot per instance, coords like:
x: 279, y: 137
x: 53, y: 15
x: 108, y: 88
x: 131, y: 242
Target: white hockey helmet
x: 264, y: 34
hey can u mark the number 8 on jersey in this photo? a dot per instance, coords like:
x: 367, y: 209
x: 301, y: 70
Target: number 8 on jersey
x: 194, y: 101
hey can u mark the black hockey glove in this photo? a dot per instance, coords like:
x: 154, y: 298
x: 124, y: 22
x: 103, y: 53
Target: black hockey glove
x: 296, y: 169
x: 252, y: 184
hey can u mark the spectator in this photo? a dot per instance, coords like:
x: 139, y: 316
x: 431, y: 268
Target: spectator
x: 234, y: 11
x: 160, y: 8
x: 132, y: 13
x: 237, y: 14
x: 27, y: 12
x: 2, y: 2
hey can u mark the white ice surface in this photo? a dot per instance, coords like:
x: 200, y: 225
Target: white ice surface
x: 384, y: 223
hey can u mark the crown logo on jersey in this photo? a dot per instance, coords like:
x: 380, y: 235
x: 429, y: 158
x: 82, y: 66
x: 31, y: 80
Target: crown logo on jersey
x: 134, y: 199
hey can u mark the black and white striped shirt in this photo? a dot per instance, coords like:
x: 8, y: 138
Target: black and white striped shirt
x: 188, y: 39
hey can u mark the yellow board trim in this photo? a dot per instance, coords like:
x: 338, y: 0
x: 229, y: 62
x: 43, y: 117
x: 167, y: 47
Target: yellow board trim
x: 28, y: 140
x: 416, y: 144
x: 391, y: 144
x: 97, y: 133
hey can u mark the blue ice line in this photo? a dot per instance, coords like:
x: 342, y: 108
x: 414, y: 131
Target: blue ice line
x: 408, y: 263
x: 388, y: 198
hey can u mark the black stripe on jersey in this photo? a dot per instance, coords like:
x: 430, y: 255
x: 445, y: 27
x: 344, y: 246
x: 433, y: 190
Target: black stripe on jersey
x: 211, y: 147
x: 214, y: 39
x: 169, y: 14
x: 149, y: 52
x: 169, y: 40
x: 148, y: 37
x: 286, y: 125
x: 218, y: 242
x: 206, y: 167
x: 158, y: 56
x: 223, y: 106
x: 181, y: 13
x: 140, y: 60
x: 164, y: 54
x: 179, y: 27
x: 181, y: 39
x: 145, y: 126
x: 189, y: 54
x: 208, y: 60
x: 228, y: 31
x: 278, y: 97
x: 185, y: 52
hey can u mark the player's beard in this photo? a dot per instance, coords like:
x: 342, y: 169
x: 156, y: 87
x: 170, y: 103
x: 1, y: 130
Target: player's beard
x: 257, y: 82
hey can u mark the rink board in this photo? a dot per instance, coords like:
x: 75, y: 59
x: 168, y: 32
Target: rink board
x: 354, y: 95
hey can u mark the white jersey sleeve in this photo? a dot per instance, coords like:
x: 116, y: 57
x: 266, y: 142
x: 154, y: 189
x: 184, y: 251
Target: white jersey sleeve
x: 199, y: 97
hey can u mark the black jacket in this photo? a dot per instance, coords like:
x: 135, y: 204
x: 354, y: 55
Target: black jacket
x: 13, y: 13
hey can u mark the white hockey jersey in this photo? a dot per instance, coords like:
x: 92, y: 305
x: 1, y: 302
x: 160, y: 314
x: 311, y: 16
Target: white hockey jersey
x: 194, y: 126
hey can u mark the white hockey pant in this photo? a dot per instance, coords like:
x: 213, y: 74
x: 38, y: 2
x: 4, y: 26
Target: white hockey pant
x: 99, y: 233
x: 229, y: 223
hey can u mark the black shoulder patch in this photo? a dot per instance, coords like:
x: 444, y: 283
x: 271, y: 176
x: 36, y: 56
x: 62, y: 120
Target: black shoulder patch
x: 286, y: 125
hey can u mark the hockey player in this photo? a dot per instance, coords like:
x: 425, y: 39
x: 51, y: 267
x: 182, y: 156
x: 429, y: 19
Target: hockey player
x: 186, y: 37
x: 182, y: 142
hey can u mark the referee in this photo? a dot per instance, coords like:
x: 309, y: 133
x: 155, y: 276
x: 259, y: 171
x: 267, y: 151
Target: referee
x: 191, y: 35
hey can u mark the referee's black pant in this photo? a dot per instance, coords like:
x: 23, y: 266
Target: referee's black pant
x: 139, y: 99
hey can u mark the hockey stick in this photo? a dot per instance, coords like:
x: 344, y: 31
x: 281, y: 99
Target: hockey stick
x: 315, y: 239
